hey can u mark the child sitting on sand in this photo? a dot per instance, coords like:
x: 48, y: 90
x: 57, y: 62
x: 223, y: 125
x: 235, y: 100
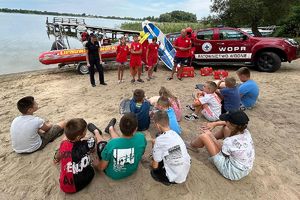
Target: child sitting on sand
x: 234, y: 156
x: 207, y: 102
x: 171, y: 161
x: 30, y: 133
x: 140, y: 107
x: 249, y: 90
x: 174, y: 101
x: 73, y: 154
x: 164, y: 104
x: 122, y: 52
x: 230, y: 95
x: 120, y: 156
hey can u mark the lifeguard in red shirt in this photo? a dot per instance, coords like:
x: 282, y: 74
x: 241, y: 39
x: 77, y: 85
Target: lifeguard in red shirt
x: 136, y: 59
x: 122, y: 52
x: 182, y: 45
x: 190, y: 34
x: 144, y: 47
x: 152, y: 56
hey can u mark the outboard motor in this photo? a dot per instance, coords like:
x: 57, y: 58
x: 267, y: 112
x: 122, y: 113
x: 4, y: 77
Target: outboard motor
x: 58, y: 45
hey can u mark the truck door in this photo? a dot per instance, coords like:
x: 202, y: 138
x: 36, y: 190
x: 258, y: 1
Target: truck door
x: 233, y: 46
x: 205, y: 45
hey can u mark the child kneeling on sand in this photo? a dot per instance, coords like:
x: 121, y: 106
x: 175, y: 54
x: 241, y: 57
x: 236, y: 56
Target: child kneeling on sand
x: 234, y: 156
x: 73, y: 154
x: 207, y: 102
x: 171, y: 161
x: 120, y: 156
x: 30, y: 133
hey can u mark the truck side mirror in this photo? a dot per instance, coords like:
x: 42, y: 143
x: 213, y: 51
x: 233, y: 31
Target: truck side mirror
x: 245, y: 37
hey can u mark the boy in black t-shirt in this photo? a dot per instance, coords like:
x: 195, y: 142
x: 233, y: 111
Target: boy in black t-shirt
x: 74, y: 156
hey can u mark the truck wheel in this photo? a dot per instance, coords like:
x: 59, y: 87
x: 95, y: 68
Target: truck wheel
x: 268, y: 62
x: 82, y: 68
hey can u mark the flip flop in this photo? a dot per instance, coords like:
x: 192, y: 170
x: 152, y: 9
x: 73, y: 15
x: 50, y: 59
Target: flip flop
x: 112, y: 123
x: 91, y: 127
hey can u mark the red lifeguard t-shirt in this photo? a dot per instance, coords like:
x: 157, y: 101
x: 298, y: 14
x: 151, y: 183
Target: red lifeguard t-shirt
x: 136, y: 46
x: 145, y: 45
x: 153, y: 50
x: 122, y: 52
x: 185, y: 43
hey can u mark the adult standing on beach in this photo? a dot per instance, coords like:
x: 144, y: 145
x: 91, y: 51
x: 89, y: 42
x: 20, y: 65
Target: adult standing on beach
x: 182, y: 45
x: 93, y: 58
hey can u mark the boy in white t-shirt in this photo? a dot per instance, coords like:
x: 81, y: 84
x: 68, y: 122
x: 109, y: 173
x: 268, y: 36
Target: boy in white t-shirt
x: 30, y: 133
x: 171, y: 161
x: 207, y: 102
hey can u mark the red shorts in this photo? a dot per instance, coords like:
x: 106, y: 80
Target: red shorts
x: 152, y: 61
x: 136, y: 62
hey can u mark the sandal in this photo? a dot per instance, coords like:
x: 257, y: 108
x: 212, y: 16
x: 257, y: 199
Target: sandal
x: 91, y: 127
x: 112, y: 123
x: 191, y: 117
x: 190, y: 107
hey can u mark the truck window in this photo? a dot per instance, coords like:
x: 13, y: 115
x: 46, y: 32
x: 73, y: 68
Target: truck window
x: 205, y: 35
x: 230, y: 35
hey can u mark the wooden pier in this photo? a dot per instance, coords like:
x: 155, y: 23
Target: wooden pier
x: 69, y: 27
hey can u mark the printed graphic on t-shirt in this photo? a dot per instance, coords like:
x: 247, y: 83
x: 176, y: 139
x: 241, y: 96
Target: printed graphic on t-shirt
x: 76, y: 168
x: 122, y: 157
x: 175, y: 156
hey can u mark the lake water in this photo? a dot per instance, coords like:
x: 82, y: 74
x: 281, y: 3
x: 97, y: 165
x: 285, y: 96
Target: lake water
x: 23, y: 37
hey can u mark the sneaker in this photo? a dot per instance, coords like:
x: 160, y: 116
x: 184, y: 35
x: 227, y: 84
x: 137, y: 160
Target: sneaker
x: 91, y: 127
x: 190, y: 107
x: 190, y: 147
x: 103, y: 83
x: 191, y: 117
x: 169, y: 78
x: 119, y: 81
x: 132, y: 81
x: 122, y: 81
x: 112, y: 123
x: 140, y: 80
x: 93, y: 85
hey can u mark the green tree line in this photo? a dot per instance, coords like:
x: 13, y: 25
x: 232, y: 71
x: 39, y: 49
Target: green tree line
x: 174, y: 16
x: 255, y: 13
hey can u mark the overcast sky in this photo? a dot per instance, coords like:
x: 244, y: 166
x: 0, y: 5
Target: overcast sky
x: 122, y: 8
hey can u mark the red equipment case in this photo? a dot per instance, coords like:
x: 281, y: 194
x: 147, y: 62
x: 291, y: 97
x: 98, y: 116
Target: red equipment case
x: 188, y: 72
x: 221, y: 73
x: 206, y: 71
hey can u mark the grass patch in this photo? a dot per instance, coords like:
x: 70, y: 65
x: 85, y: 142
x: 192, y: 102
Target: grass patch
x: 165, y: 27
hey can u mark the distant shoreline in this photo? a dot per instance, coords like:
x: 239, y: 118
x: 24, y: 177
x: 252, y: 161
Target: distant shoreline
x: 37, y: 12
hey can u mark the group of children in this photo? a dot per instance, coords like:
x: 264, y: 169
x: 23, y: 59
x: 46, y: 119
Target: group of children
x: 219, y: 97
x: 139, y: 52
x: 119, y: 157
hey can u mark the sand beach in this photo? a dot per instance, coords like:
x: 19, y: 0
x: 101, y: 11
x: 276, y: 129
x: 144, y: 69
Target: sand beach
x: 63, y: 94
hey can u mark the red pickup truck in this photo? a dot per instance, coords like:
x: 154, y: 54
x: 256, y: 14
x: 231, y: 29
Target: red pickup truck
x: 231, y: 46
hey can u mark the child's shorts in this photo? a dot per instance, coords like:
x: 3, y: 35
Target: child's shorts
x: 100, y: 148
x: 209, y: 115
x: 226, y: 168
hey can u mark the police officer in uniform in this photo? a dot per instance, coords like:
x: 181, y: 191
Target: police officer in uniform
x: 93, y: 58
